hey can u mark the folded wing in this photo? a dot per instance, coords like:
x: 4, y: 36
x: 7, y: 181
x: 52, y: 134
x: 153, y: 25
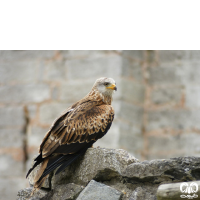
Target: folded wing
x: 71, y: 135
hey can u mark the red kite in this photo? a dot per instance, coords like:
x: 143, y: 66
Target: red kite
x: 76, y: 130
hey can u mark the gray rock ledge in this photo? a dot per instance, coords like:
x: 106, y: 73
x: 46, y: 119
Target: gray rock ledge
x: 127, y: 178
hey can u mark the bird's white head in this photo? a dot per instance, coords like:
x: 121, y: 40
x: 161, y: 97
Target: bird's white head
x: 105, y: 86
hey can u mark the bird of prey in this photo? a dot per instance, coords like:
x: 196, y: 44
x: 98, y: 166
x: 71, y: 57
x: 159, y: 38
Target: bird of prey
x: 76, y: 130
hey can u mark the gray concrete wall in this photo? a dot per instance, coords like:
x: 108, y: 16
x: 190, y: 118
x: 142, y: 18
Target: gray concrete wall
x: 157, y: 103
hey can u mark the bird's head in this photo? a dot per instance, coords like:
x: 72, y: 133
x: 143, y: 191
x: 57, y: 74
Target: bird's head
x: 105, y: 86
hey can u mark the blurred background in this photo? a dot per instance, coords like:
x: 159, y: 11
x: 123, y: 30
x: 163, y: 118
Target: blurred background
x: 157, y: 103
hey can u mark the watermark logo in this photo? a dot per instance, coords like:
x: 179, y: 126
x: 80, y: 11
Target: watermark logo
x: 189, y: 190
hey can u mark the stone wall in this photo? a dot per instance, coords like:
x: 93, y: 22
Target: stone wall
x: 172, y: 104
x: 157, y: 102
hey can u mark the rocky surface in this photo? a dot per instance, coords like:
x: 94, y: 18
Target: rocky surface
x: 114, y: 174
x: 26, y: 194
x: 174, y: 191
x: 99, y: 191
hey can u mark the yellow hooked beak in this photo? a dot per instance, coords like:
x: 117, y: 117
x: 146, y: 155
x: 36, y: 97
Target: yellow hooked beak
x: 112, y: 87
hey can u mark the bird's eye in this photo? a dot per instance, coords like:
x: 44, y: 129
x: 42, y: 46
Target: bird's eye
x: 106, y: 84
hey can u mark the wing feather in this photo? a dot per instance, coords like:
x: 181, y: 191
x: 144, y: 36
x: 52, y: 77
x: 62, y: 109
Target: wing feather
x: 83, y: 124
x: 57, y: 124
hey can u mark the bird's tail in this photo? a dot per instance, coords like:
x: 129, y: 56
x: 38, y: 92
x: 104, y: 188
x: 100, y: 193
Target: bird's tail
x: 49, y: 164
x: 37, y: 184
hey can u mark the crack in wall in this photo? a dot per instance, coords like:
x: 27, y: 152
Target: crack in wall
x: 25, y: 133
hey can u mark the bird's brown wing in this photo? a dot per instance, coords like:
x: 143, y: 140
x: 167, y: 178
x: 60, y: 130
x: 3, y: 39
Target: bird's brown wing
x: 71, y: 135
x: 79, y: 126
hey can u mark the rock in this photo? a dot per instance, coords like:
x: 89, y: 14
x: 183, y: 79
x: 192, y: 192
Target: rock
x: 61, y: 192
x: 98, y: 164
x: 143, y: 194
x: 164, y: 170
x: 66, y: 192
x: 99, y: 191
x: 25, y: 194
x: 175, y: 191
x: 114, y: 174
